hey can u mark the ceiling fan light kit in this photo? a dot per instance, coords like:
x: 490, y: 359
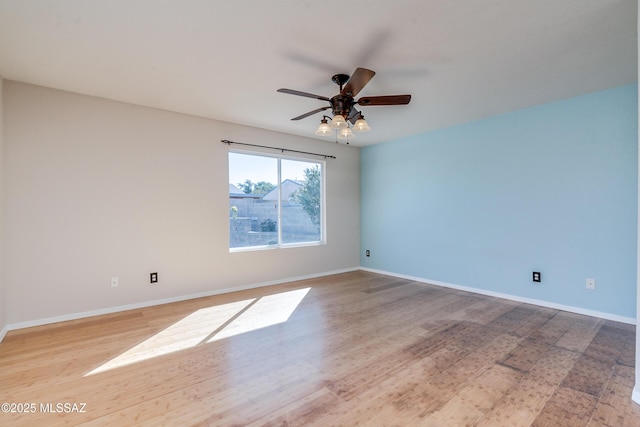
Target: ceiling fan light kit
x: 345, y: 133
x: 338, y: 122
x: 324, y: 129
x: 361, y: 125
x: 343, y: 104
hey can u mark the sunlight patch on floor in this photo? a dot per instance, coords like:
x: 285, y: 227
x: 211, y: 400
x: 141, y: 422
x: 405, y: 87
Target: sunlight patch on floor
x: 266, y: 311
x: 211, y: 324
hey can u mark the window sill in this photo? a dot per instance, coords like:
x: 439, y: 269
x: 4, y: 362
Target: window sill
x: 271, y: 247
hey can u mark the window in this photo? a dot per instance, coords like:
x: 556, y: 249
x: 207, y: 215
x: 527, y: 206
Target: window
x: 274, y: 201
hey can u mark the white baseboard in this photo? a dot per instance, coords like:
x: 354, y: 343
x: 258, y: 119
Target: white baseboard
x: 635, y: 396
x: 109, y: 310
x: 541, y: 303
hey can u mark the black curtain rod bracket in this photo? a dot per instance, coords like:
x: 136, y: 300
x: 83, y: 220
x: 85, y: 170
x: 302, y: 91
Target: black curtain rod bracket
x: 326, y: 156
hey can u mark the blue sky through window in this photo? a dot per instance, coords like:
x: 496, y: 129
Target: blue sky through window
x: 260, y: 168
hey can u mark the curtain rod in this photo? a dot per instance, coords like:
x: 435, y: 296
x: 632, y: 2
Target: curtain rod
x: 326, y: 156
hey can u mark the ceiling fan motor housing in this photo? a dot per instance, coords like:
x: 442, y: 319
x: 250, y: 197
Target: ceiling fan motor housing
x: 341, y: 104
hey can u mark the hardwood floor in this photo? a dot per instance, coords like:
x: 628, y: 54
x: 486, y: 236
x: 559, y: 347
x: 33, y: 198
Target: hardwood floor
x: 350, y: 349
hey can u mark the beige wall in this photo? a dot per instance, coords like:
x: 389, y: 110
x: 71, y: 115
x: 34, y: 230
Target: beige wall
x: 2, y: 302
x: 96, y: 188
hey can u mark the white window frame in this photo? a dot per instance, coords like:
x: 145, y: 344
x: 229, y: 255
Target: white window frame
x: 323, y: 203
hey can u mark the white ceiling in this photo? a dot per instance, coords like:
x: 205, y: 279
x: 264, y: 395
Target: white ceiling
x: 461, y: 60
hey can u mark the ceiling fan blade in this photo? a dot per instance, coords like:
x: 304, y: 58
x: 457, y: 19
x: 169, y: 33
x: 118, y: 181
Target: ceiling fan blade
x: 358, y: 80
x: 310, y: 113
x: 308, y: 95
x: 385, y: 100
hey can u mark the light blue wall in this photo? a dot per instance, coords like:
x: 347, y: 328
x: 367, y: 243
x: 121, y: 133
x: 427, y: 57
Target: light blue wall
x: 551, y: 188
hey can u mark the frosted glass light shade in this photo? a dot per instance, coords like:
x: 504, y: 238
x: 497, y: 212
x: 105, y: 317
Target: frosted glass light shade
x: 324, y: 129
x: 361, y: 125
x: 338, y: 122
x: 345, y: 133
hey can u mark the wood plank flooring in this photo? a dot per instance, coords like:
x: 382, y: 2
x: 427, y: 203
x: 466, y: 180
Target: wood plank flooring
x: 351, y: 349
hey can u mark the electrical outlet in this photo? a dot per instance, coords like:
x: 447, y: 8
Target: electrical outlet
x: 153, y: 278
x: 591, y: 284
x: 367, y: 253
x: 114, y: 282
x: 537, y: 277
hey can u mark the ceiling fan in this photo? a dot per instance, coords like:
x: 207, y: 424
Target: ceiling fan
x: 343, y: 105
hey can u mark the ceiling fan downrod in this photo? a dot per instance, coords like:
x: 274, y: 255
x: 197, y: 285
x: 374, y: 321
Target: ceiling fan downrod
x: 340, y: 79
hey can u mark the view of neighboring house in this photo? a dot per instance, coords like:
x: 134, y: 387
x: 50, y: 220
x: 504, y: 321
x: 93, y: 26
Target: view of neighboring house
x: 254, y: 218
x: 233, y: 189
x: 289, y: 187
x: 236, y: 193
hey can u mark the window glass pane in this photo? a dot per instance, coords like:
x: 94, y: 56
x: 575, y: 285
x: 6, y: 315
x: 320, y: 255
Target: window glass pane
x: 253, y: 211
x: 301, y: 201
x: 273, y: 201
